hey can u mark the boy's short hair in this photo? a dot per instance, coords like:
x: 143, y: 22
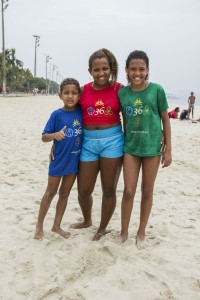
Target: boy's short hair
x: 68, y: 81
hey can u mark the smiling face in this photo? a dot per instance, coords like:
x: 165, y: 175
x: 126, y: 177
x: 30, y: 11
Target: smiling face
x: 100, y: 72
x: 70, y: 95
x: 137, y: 72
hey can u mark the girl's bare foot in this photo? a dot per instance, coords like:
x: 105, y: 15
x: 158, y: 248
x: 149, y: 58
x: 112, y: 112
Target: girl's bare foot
x: 100, y: 233
x: 123, y: 238
x: 39, y: 234
x: 81, y: 225
x: 141, y: 243
x: 61, y: 232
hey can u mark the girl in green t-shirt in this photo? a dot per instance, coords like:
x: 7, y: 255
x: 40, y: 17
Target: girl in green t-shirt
x: 144, y: 107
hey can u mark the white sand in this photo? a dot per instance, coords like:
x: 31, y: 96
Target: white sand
x: 77, y: 268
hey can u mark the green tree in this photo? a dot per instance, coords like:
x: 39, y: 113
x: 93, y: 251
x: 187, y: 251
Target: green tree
x: 20, y: 79
x: 14, y: 69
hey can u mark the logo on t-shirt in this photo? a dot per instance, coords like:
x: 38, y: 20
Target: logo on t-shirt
x: 69, y: 132
x: 108, y: 111
x: 138, y: 109
x: 129, y: 110
x: 74, y: 131
x: 76, y: 123
x: 137, y: 102
x: 90, y: 111
x: 78, y: 141
x: 99, y: 109
x: 99, y: 103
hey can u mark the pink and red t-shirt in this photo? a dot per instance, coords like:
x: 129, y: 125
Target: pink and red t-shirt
x: 100, y: 107
x: 172, y: 114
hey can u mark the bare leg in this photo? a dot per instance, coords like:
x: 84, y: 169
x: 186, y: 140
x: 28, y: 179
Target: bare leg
x: 86, y: 180
x: 110, y: 169
x: 51, y: 190
x: 131, y: 168
x: 150, y: 167
x: 64, y: 191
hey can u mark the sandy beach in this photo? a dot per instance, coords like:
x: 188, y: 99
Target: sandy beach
x: 78, y: 268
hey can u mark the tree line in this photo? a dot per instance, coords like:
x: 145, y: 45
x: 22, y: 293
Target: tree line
x: 19, y: 79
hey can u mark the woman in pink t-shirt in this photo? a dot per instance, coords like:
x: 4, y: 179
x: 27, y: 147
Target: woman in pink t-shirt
x: 102, y: 149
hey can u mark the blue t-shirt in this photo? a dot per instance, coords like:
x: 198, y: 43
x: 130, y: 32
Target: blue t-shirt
x: 67, y: 151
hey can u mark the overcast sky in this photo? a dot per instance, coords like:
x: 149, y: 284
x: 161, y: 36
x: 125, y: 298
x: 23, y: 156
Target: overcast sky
x: 168, y: 31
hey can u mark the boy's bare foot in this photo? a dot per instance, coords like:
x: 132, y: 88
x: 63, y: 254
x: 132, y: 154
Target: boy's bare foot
x: 61, y: 232
x: 81, y: 225
x: 39, y: 234
x: 100, y: 233
x: 123, y: 238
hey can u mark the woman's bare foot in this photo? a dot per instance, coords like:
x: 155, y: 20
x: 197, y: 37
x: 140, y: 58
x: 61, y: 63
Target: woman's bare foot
x: 81, y: 225
x: 100, y: 233
x: 61, y: 232
x: 39, y: 234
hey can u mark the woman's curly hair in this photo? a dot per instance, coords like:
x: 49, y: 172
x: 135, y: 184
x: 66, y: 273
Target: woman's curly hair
x: 111, y: 60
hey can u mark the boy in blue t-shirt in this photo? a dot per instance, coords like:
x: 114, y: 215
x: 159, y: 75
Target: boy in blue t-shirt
x: 64, y: 128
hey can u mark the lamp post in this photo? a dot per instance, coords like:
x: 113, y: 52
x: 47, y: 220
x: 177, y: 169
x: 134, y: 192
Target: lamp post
x: 3, y: 8
x: 37, y: 39
x: 57, y: 73
x: 54, y: 68
x: 47, y: 60
x: 57, y: 76
x: 49, y: 85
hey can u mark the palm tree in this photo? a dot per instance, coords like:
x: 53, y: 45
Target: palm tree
x: 27, y: 78
x: 14, y: 67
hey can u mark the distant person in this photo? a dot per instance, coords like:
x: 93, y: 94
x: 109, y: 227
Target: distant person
x: 35, y: 90
x: 174, y: 113
x: 184, y: 114
x: 64, y: 128
x: 191, y: 101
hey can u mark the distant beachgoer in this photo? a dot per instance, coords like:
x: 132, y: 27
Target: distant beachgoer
x: 64, y: 128
x: 35, y: 90
x: 184, y: 114
x: 191, y: 102
x: 174, y: 113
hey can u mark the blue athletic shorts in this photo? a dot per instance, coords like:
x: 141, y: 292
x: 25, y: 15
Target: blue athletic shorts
x: 107, y: 143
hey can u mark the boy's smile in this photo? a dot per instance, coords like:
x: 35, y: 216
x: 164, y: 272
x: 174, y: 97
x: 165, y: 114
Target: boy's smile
x: 70, y: 96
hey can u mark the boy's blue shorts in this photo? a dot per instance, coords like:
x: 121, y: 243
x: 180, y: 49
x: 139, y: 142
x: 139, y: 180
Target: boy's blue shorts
x: 107, y: 143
